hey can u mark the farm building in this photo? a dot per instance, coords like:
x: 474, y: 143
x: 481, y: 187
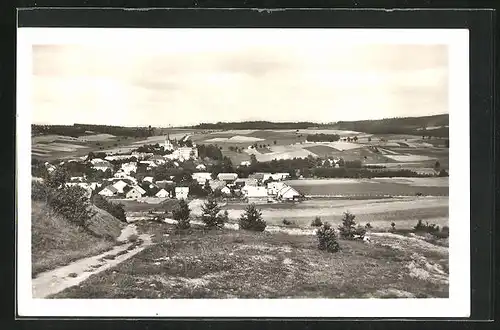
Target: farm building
x: 255, y: 194
x: 274, y: 187
x: 108, y: 191
x: 245, y: 182
x: 103, y: 165
x: 287, y: 193
x: 119, y: 186
x: 181, y: 192
x: 134, y: 192
x: 227, y: 177
x: 162, y: 193
x: 201, y: 177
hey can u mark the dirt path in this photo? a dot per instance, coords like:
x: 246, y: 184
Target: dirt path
x: 56, y: 280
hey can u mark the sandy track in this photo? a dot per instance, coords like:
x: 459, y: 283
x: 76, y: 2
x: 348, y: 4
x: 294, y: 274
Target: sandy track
x: 53, y: 281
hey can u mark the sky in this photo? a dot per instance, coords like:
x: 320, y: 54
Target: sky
x: 178, y: 81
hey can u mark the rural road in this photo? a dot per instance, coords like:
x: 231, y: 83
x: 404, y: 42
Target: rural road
x: 53, y: 281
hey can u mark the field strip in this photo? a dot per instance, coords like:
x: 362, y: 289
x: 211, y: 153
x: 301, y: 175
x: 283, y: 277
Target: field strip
x: 53, y: 281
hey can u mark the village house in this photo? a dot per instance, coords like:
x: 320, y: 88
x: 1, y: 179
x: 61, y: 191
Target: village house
x: 181, y: 192
x: 255, y: 194
x: 164, y: 183
x: 119, y: 186
x: 134, y: 192
x: 201, y: 167
x: 77, y: 178
x: 274, y: 187
x: 241, y: 182
x: 201, y: 177
x: 141, y: 155
x: 245, y: 163
x: 149, y: 163
x: 108, y: 191
x: 227, y: 177
x: 149, y: 179
x: 288, y: 193
x: 120, y: 174
x: 102, y: 165
x: 129, y: 167
x: 226, y: 191
x: 162, y: 193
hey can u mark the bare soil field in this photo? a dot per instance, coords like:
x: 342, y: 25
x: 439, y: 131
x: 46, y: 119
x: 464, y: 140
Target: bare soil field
x: 239, y: 264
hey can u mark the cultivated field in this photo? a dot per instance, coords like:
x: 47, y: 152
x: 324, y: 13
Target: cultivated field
x: 372, y: 187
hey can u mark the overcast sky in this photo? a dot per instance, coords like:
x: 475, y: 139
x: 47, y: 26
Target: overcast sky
x: 209, y: 80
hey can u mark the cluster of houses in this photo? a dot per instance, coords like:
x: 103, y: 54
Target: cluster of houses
x: 258, y: 187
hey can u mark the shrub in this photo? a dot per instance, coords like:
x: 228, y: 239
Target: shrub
x: 327, y: 239
x: 133, y: 238
x: 251, y: 219
x: 181, y: 214
x: 348, y: 228
x: 368, y: 226
x: 210, y: 214
x: 317, y: 222
x: 393, y: 226
x: 72, y: 203
x: 58, y: 178
x: 115, y: 209
x: 287, y: 222
x: 40, y: 191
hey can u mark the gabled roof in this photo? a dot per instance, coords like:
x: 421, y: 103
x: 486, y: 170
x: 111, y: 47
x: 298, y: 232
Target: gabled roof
x: 111, y: 188
x: 139, y: 189
x: 227, y: 176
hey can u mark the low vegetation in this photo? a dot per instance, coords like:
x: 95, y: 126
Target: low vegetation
x: 56, y: 241
x: 242, y: 264
x: 115, y: 209
x: 316, y: 222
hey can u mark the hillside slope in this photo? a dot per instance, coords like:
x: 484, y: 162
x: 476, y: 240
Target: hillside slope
x: 56, y: 242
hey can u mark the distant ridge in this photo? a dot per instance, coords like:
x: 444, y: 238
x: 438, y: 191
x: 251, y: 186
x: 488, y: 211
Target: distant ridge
x: 397, y: 125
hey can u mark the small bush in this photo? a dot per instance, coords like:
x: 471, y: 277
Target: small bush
x: 181, y: 214
x: 327, y: 239
x: 368, y: 226
x: 210, y: 214
x: 115, y: 209
x: 133, y: 238
x: 348, y: 228
x: 251, y: 219
x: 287, y: 222
x: 393, y: 227
x: 317, y: 222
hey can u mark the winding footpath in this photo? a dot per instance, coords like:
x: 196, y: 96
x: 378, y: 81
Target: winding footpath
x: 53, y: 281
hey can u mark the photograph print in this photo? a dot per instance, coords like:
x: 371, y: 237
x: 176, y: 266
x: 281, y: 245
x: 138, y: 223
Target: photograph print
x: 268, y: 166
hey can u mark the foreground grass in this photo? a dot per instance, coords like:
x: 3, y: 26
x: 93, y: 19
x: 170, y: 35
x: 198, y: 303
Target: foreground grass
x: 56, y: 242
x: 239, y: 264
